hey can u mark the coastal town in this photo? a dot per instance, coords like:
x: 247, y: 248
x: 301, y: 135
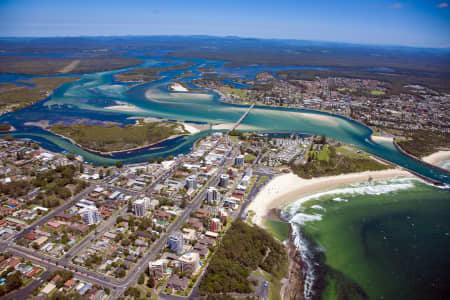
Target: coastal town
x: 372, y: 102
x: 114, y: 231
x: 74, y: 230
x: 224, y: 150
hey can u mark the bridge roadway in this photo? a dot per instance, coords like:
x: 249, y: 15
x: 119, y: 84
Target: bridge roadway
x: 117, y: 287
x: 243, y: 117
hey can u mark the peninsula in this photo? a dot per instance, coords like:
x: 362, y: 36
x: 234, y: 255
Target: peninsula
x: 112, y: 138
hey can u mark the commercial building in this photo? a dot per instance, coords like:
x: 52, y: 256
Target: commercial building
x: 212, y: 196
x: 191, y: 182
x: 215, y: 225
x: 158, y: 268
x: 176, y: 242
x: 190, y: 262
x: 239, y: 160
x: 90, y: 215
x: 224, y: 180
x: 139, y: 207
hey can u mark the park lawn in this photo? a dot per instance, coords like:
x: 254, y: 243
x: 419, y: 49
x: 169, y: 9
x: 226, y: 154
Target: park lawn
x: 377, y: 93
x: 241, y: 93
x: 249, y: 158
x: 325, y: 154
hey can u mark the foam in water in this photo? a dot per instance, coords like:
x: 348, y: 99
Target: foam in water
x: 299, y: 218
x: 339, y: 199
x: 308, y: 269
x: 318, y: 207
x: 378, y: 187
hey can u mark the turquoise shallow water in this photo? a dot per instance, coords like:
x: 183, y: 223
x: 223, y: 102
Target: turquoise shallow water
x: 87, y: 98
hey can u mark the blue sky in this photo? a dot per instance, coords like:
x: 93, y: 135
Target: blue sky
x: 424, y: 23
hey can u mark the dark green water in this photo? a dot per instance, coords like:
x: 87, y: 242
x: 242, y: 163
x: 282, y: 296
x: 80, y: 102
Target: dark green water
x: 382, y: 240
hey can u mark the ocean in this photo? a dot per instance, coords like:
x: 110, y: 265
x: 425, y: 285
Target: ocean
x: 387, y: 239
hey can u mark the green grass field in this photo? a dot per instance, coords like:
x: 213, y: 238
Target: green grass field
x: 278, y: 229
x: 241, y: 93
x: 325, y: 154
x: 377, y: 93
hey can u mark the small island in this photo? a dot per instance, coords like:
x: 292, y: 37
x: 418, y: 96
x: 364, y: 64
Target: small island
x: 145, y: 75
x: 106, y: 139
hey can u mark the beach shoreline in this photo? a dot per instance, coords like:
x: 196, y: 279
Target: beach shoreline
x: 287, y: 188
x: 437, y: 158
x: 177, y: 87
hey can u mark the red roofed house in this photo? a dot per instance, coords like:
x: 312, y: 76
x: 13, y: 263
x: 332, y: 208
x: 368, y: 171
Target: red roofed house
x: 53, y: 224
x: 32, y: 272
x: 31, y: 236
x: 56, y: 278
x: 69, y: 283
x: 162, y: 215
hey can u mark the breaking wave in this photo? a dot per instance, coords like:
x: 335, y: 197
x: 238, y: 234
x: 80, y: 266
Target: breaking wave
x: 298, y: 218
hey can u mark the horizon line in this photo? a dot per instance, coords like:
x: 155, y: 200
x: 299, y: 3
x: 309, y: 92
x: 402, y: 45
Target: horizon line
x: 229, y: 36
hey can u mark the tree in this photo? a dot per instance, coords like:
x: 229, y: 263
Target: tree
x: 14, y: 281
x: 183, y: 203
x: 170, y: 157
x: 130, y: 206
x: 63, y: 192
x: 141, y: 279
x: 121, y: 273
x: 64, y: 239
x: 160, y: 160
x: 151, y: 282
x: 151, y: 160
x: 70, y: 156
x: 323, y: 140
x: 119, y: 164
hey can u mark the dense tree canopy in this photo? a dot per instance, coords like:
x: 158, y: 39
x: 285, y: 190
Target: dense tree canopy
x: 243, y: 249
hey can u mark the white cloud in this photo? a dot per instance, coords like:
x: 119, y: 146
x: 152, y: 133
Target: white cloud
x: 442, y: 5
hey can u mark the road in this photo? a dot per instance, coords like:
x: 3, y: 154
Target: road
x: 54, y: 212
x: 118, y: 287
x: 161, y: 243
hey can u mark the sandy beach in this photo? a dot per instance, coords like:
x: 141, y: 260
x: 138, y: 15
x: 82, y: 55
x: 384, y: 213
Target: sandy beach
x: 42, y: 124
x: 126, y: 107
x: 286, y: 188
x: 175, y: 86
x: 228, y: 126
x: 377, y: 138
x: 437, y: 157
